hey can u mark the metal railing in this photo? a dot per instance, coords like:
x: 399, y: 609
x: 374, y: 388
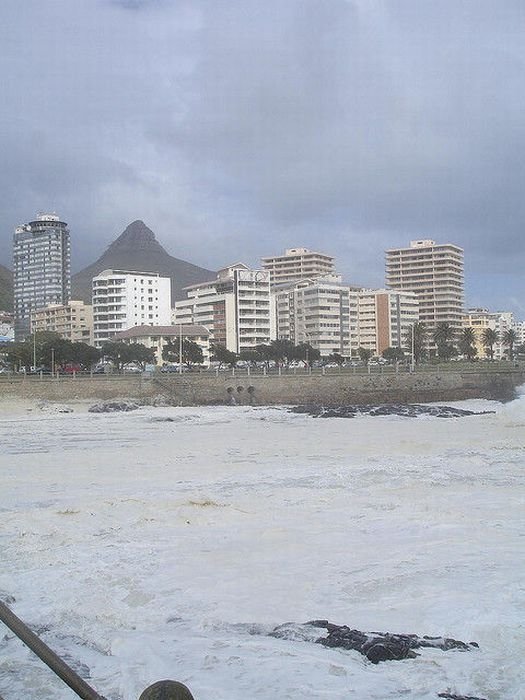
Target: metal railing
x: 169, y: 690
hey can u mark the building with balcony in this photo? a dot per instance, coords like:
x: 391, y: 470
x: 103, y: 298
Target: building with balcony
x: 385, y: 318
x: 321, y: 312
x: 41, y: 268
x: 73, y: 321
x: 434, y: 272
x: 479, y: 319
x: 234, y: 307
x: 123, y: 299
x: 297, y: 264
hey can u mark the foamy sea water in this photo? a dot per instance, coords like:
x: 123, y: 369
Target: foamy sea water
x: 142, y: 549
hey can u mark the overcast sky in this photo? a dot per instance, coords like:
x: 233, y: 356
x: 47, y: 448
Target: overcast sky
x: 237, y: 128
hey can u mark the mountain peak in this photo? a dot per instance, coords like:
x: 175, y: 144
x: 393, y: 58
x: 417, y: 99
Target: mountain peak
x: 136, y: 236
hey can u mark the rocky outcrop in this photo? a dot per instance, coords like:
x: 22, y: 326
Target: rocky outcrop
x: 376, y: 646
x: 113, y: 406
x: 408, y: 410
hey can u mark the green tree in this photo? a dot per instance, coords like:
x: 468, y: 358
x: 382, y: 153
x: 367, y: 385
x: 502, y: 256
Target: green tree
x: 467, y: 343
x: 141, y: 355
x: 509, y: 339
x: 393, y: 354
x: 84, y: 355
x: 251, y: 356
x: 221, y: 354
x: 443, y: 336
x: 304, y: 352
x: 118, y: 353
x: 191, y: 353
x: 415, y: 340
x: 489, y: 338
x: 337, y: 358
x: 283, y: 351
x: 364, y: 354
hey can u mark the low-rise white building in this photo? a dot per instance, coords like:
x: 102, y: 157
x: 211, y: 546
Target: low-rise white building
x: 157, y: 337
x: 73, y: 321
x: 235, y: 307
x: 123, y: 299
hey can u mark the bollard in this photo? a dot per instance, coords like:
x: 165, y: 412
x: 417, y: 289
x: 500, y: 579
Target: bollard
x: 166, y: 690
x: 47, y: 655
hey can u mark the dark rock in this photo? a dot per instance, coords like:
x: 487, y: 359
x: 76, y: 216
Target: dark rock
x: 407, y: 410
x: 376, y: 646
x: 453, y: 696
x: 113, y: 407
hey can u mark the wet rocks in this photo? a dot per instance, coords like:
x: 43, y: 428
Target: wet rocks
x: 406, y: 410
x: 114, y: 406
x: 48, y: 407
x: 376, y: 646
x: 453, y: 696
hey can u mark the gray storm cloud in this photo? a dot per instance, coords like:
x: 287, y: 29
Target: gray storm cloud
x: 237, y: 128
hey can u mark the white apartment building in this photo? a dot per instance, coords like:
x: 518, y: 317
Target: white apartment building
x: 41, y: 268
x: 321, y: 312
x: 235, y: 307
x: 125, y: 298
x: 297, y: 264
x: 157, y: 337
x: 435, y: 273
x: 74, y: 321
x: 384, y: 318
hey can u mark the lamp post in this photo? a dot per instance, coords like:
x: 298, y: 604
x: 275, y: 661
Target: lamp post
x: 413, y: 347
x: 52, y: 362
x: 180, y: 348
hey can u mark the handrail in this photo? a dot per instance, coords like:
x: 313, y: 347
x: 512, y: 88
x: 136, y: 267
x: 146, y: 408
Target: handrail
x: 47, y: 655
x: 169, y: 690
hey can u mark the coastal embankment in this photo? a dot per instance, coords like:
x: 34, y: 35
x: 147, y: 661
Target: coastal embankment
x: 201, y: 389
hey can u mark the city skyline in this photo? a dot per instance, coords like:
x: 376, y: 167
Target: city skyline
x: 345, y: 127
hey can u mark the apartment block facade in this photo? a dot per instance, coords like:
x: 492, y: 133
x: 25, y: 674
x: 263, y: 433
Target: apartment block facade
x: 384, y: 318
x: 435, y: 273
x: 123, y: 299
x: 41, y: 268
x: 235, y: 307
x: 73, y: 321
x: 297, y: 264
x: 322, y: 312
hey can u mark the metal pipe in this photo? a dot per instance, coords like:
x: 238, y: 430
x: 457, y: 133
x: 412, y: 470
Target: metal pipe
x: 47, y: 655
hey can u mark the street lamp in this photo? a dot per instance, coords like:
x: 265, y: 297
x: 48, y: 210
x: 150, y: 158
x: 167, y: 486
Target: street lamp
x: 180, y: 348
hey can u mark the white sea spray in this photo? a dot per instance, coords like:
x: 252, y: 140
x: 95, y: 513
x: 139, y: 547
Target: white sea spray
x: 144, y: 548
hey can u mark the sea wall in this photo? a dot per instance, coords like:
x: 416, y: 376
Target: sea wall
x: 330, y: 390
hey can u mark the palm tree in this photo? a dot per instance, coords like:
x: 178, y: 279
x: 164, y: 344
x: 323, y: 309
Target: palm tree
x: 443, y: 336
x: 467, y: 343
x: 489, y: 337
x: 415, y: 339
x: 509, y: 338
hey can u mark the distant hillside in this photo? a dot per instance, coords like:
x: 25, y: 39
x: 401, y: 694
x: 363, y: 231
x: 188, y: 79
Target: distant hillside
x: 138, y: 249
x: 6, y: 289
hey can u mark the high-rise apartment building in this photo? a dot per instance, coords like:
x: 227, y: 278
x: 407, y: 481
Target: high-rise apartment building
x: 435, y: 273
x: 297, y: 264
x: 235, y: 307
x: 125, y: 298
x: 321, y: 312
x: 41, y: 268
x: 384, y: 318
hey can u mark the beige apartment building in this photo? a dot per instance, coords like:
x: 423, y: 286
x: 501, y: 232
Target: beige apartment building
x: 234, y: 307
x: 480, y: 319
x: 321, y: 312
x: 384, y: 318
x: 297, y: 264
x: 74, y: 321
x: 435, y: 273
x: 157, y: 337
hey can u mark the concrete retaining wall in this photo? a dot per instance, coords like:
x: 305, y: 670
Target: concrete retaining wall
x: 328, y: 390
